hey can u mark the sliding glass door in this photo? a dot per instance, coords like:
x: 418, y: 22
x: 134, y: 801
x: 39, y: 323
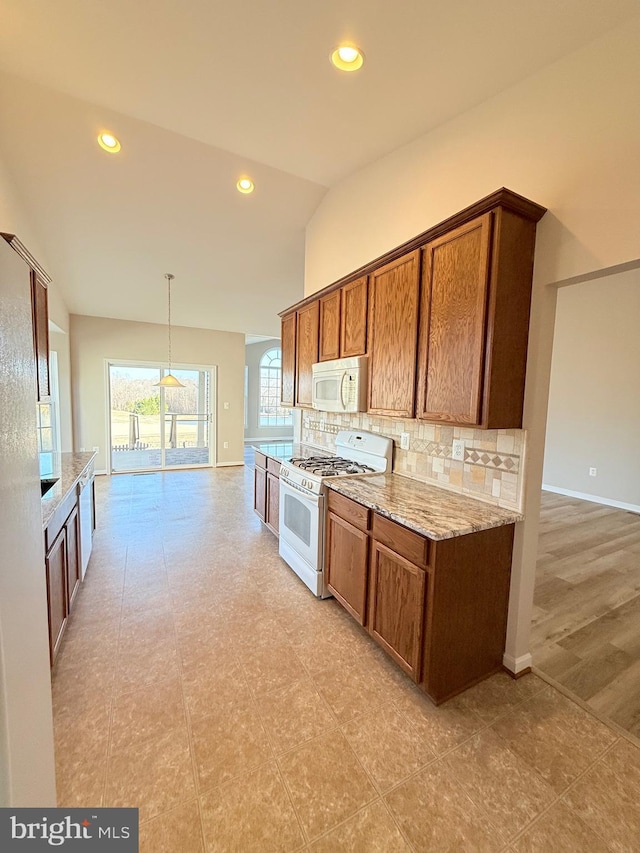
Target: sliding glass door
x: 154, y: 428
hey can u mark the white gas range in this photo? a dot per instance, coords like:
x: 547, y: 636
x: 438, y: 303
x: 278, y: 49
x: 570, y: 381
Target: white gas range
x: 302, y: 498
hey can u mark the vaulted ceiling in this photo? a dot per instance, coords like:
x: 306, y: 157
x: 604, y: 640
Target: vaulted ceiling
x: 200, y: 92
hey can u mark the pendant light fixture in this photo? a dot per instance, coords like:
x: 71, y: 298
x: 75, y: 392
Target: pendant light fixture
x: 169, y: 381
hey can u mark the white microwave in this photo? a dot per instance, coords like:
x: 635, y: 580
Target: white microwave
x: 340, y: 385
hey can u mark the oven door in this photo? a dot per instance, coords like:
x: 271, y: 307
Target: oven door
x: 301, y: 533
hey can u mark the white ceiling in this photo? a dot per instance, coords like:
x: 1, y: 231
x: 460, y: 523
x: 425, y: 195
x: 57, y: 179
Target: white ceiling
x: 200, y: 92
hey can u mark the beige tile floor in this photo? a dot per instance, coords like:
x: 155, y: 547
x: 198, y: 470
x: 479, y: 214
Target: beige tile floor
x: 202, y: 683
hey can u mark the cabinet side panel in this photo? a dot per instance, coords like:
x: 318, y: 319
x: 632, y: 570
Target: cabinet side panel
x: 508, y: 327
x: 468, y: 612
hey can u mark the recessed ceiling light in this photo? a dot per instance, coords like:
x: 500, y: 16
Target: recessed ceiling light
x: 347, y: 58
x: 109, y: 143
x: 245, y: 185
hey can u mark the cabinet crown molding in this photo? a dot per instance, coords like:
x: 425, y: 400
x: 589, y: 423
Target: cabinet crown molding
x: 26, y: 255
x: 504, y: 198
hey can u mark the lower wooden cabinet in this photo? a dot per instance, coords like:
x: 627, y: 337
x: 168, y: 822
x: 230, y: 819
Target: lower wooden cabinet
x: 260, y: 492
x: 57, y: 605
x: 438, y: 608
x: 397, y: 607
x: 272, y: 503
x: 346, y: 565
x: 63, y: 568
x: 266, y: 491
x: 74, y: 565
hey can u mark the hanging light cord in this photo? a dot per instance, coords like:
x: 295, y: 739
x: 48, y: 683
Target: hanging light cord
x: 169, y: 276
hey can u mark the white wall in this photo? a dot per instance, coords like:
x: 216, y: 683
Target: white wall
x: 568, y: 138
x: 94, y: 339
x: 27, y: 770
x: 253, y: 354
x: 594, y: 399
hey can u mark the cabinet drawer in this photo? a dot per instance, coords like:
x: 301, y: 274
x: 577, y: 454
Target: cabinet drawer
x: 351, y: 511
x: 403, y: 541
x: 261, y: 460
x: 273, y: 466
x: 59, y: 517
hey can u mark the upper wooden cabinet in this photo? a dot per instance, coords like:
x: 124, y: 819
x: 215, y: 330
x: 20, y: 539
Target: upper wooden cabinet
x: 452, y: 324
x: 393, y: 335
x: 444, y: 319
x: 329, y: 310
x: 343, y: 321
x: 40, y: 313
x: 306, y: 351
x: 474, y: 320
x: 353, y: 329
x: 288, y: 343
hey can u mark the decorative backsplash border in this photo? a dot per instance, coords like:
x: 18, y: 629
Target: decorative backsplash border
x: 492, y: 469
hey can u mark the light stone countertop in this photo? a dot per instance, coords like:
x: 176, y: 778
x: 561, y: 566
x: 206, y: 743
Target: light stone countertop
x: 429, y: 510
x: 68, y: 467
x: 285, y: 450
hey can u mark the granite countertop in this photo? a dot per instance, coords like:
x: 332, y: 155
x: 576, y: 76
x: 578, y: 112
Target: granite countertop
x: 432, y: 511
x: 68, y: 467
x: 285, y: 450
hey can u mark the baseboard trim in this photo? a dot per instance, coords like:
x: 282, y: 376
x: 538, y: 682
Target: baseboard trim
x: 228, y: 464
x: 517, y: 666
x: 593, y: 498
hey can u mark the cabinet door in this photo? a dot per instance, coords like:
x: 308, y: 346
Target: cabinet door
x: 74, y: 570
x: 40, y: 315
x: 329, y: 347
x: 397, y: 607
x: 346, y: 565
x: 272, y: 504
x: 453, y: 322
x: 56, y: 572
x: 393, y: 336
x: 288, y: 343
x: 353, y: 331
x: 260, y: 492
x: 306, y: 351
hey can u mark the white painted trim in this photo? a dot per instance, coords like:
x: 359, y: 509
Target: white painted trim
x: 516, y: 665
x: 228, y: 464
x: 593, y: 498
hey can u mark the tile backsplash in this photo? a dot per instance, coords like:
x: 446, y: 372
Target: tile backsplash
x: 492, y: 469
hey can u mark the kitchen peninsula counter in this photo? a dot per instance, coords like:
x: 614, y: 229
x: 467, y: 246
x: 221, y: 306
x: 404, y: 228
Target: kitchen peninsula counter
x: 429, y: 510
x: 68, y: 467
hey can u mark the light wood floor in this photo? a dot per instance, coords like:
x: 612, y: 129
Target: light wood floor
x: 586, y: 625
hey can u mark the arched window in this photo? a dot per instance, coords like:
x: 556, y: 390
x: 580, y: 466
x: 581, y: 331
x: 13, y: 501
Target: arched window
x: 271, y: 413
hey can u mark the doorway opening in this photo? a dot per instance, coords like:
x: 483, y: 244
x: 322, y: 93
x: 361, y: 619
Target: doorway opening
x: 154, y: 428
x: 587, y: 595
